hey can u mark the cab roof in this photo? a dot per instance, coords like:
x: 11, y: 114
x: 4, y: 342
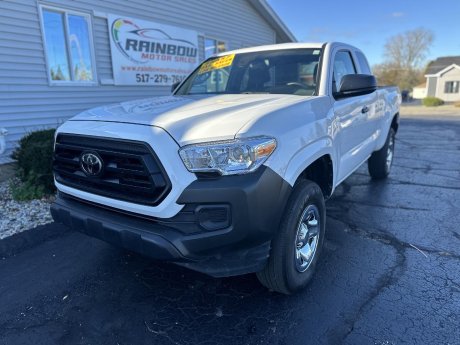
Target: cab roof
x: 281, y: 46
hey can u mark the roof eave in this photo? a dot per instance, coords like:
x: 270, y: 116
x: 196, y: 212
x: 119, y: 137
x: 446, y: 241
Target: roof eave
x: 275, y: 21
x: 444, y: 70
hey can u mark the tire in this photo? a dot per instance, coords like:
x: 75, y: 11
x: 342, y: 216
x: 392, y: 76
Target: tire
x: 284, y: 272
x: 379, y: 163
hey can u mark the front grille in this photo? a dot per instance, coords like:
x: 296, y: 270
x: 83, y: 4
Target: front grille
x: 131, y: 170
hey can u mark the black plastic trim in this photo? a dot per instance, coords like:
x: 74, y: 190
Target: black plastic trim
x: 256, y: 204
x: 153, y: 169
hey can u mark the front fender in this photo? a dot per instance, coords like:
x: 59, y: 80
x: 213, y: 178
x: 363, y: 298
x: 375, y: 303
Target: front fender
x: 304, y: 157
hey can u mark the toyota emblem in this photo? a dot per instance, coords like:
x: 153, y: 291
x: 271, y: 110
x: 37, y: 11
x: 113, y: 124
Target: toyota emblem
x: 91, y: 163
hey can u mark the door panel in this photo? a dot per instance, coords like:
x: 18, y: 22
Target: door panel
x: 355, y: 119
x: 353, y: 130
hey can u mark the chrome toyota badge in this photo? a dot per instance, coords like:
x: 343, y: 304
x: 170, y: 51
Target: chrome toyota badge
x: 91, y: 163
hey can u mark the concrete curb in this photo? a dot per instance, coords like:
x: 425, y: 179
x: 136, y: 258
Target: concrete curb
x: 424, y: 118
x: 421, y: 111
x: 17, y: 243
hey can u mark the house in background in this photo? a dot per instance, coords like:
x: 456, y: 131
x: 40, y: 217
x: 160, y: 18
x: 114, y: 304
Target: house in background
x: 419, y: 91
x: 61, y: 57
x: 443, y: 78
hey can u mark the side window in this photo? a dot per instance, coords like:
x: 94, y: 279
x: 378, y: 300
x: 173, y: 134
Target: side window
x: 365, y: 69
x: 343, y: 65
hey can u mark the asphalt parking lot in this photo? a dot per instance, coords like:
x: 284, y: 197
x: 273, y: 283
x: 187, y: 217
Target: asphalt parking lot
x: 389, y: 274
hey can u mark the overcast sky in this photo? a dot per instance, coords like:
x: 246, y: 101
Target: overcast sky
x: 367, y: 24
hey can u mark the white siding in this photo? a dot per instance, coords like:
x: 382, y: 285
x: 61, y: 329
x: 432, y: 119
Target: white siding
x: 28, y: 102
x: 451, y: 75
x: 419, y: 92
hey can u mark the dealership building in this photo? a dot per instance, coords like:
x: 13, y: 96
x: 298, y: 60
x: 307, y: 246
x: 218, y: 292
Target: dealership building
x: 60, y: 57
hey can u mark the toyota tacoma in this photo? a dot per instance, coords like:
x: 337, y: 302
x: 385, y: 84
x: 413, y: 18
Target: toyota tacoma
x: 229, y: 174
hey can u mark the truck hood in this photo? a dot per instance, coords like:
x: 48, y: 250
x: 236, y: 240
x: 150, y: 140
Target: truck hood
x: 196, y: 118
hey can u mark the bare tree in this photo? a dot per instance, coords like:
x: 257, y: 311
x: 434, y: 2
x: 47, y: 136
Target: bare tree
x: 392, y: 74
x: 405, y: 58
x: 409, y: 50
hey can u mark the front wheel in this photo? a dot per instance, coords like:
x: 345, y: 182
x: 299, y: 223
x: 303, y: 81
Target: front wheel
x: 297, y: 246
x: 379, y: 163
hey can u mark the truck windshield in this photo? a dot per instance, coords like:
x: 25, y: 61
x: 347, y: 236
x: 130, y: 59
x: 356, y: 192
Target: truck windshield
x: 289, y: 71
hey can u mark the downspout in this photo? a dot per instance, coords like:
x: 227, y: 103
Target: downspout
x: 3, y: 133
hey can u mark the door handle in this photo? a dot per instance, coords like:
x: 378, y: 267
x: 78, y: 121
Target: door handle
x: 365, y: 109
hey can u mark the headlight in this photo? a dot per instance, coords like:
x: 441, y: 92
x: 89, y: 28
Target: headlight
x: 239, y: 156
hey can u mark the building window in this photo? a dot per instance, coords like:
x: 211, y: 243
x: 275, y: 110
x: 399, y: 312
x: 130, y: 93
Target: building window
x: 452, y: 87
x: 68, y: 45
x: 212, y: 46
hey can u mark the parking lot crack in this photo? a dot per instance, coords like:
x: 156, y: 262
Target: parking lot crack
x: 389, y: 239
x: 392, y: 274
x: 424, y: 168
x: 456, y: 235
x: 397, y: 207
x: 410, y: 183
x: 389, y: 278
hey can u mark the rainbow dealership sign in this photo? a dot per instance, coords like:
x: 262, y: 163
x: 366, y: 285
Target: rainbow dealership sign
x: 148, y: 53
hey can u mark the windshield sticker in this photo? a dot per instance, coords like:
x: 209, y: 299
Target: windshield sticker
x: 218, y: 63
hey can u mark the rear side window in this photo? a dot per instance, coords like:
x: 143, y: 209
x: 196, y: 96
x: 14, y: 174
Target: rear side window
x: 343, y: 65
x: 365, y: 69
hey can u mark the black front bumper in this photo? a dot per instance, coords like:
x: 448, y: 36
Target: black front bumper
x: 249, y: 209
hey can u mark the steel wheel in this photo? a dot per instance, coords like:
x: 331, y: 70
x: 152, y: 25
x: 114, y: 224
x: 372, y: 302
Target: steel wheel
x: 390, y: 153
x: 379, y: 163
x: 297, y: 245
x: 307, y: 238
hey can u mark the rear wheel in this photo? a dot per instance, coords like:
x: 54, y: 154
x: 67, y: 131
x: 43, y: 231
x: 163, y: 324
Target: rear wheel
x: 297, y: 246
x: 379, y: 164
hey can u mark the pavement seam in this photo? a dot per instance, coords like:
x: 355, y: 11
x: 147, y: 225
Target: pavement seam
x: 389, y: 239
x: 391, y: 275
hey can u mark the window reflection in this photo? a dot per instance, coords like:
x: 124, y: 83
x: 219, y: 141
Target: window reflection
x: 79, y: 47
x: 56, y: 45
x: 67, y: 34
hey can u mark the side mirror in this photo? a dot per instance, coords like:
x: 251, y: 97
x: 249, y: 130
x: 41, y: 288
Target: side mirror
x: 356, y: 85
x: 174, y: 86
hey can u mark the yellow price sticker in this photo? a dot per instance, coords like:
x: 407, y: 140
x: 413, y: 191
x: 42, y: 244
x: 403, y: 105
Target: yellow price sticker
x: 218, y: 63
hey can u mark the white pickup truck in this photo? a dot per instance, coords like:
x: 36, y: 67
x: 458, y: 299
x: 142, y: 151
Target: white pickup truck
x: 229, y: 174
